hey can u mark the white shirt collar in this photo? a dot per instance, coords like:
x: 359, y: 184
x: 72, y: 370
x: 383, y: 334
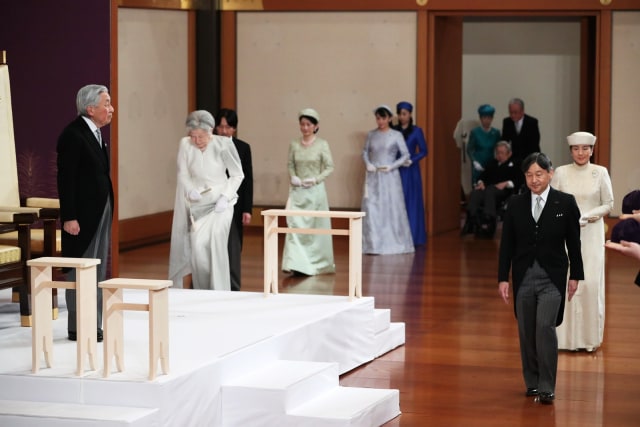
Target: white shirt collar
x: 544, y: 195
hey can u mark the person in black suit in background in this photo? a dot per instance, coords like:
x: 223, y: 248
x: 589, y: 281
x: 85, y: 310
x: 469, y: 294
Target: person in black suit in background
x: 521, y: 130
x: 540, y: 242
x: 85, y: 190
x: 227, y: 122
x: 499, y: 180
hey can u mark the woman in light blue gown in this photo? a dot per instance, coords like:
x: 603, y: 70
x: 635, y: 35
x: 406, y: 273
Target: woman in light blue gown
x: 385, y: 225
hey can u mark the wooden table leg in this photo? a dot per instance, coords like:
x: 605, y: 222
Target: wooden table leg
x: 87, y: 320
x: 270, y: 254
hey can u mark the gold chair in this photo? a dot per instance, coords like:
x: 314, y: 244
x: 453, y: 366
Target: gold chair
x: 43, y: 241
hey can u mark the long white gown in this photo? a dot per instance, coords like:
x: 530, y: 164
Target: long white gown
x: 385, y: 228
x: 583, y: 324
x: 199, y: 234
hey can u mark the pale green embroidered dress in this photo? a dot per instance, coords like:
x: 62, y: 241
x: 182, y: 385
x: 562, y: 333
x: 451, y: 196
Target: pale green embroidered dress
x: 309, y: 253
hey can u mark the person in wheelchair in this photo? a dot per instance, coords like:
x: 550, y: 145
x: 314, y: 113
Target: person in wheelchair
x: 500, y: 179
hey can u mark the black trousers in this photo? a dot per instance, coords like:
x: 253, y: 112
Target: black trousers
x: 537, y: 307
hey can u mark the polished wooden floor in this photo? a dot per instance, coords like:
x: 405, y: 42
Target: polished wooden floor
x: 460, y: 365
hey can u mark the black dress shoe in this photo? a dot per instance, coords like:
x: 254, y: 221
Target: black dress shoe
x: 468, y: 227
x: 532, y: 392
x: 73, y: 336
x: 546, y: 397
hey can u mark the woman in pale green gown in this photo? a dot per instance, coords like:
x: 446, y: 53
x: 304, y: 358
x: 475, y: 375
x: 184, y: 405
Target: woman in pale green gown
x: 310, y: 163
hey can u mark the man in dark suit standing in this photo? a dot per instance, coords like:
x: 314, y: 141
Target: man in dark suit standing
x: 538, y: 226
x: 521, y: 130
x: 226, y: 125
x: 85, y: 190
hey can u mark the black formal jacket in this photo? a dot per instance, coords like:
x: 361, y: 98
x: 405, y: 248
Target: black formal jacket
x: 554, y: 241
x: 84, y: 184
x: 507, y: 171
x: 525, y: 142
x: 245, y: 192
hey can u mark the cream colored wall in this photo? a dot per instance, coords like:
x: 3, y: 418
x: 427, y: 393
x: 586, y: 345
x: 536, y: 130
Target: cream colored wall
x: 538, y: 62
x: 344, y: 64
x: 625, y: 105
x: 341, y: 64
x: 153, y: 104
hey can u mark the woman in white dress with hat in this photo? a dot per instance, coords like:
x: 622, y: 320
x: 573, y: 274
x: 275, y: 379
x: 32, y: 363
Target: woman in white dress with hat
x: 583, y: 324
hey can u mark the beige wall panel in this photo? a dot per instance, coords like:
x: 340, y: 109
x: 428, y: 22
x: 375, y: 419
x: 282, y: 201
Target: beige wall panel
x: 341, y: 64
x: 538, y: 62
x: 153, y: 96
x: 625, y: 165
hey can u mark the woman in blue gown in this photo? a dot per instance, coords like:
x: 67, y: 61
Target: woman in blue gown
x: 482, y: 142
x: 410, y: 172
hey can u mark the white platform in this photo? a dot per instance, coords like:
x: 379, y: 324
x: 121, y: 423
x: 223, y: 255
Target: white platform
x: 237, y: 359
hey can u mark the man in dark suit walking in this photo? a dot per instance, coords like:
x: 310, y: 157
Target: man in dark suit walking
x: 521, y: 130
x: 226, y: 124
x: 539, y: 224
x: 85, y: 190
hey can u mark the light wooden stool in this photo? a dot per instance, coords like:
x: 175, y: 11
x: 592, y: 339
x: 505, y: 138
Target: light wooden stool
x: 41, y: 291
x: 354, y: 232
x: 158, y: 309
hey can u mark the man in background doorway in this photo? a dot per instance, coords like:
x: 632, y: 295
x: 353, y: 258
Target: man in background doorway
x: 521, y: 130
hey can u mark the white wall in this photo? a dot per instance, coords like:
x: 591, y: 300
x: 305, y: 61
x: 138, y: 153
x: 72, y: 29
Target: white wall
x: 625, y: 105
x: 152, y: 107
x: 538, y: 62
x: 341, y: 64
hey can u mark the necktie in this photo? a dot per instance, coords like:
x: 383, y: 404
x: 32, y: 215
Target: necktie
x: 102, y: 144
x: 538, y: 208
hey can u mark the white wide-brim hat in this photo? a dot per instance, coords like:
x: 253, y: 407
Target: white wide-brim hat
x: 581, y: 138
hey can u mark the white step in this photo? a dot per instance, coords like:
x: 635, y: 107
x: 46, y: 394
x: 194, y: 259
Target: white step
x: 347, y: 407
x: 264, y: 396
x: 19, y: 413
x: 389, y: 339
x: 382, y: 319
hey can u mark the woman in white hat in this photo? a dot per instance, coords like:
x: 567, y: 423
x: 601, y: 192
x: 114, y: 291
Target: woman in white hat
x: 583, y: 324
x: 310, y: 163
x: 209, y: 175
x: 385, y: 228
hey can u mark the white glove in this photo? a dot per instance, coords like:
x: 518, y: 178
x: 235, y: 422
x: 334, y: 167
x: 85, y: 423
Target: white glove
x: 477, y: 166
x: 194, y: 195
x: 583, y: 221
x: 221, y: 204
x: 371, y: 168
x: 408, y: 162
x: 308, y: 182
x: 295, y: 181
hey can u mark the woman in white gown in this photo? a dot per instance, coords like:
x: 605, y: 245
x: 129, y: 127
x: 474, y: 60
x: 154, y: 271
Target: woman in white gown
x: 204, y: 202
x: 385, y: 228
x: 583, y: 324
